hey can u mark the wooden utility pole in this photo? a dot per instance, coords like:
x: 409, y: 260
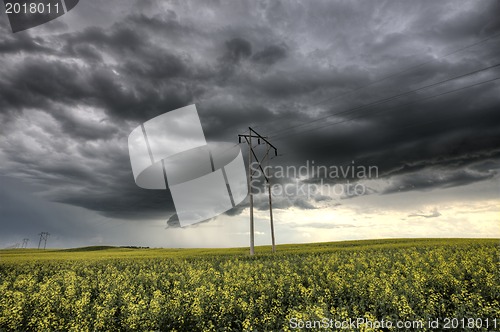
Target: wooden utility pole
x: 270, y: 199
x: 252, y: 235
x: 265, y: 172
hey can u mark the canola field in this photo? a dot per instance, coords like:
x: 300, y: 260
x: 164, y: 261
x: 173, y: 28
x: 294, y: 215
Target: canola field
x: 345, y: 286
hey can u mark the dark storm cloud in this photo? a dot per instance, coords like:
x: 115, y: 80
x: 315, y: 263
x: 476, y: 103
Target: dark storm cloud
x: 215, y: 118
x: 39, y: 83
x: 173, y: 221
x: 36, y: 215
x: 306, y: 81
x: 433, y: 178
x: 86, y: 130
x: 237, y: 49
x: 272, y: 65
x: 270, y: 55
x: 441, y: 131
x: 23, y: 44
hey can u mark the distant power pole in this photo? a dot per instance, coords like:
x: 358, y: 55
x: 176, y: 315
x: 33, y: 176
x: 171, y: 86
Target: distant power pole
x: 43, y: 237
x: 25, y: 243
x: 261, y: 140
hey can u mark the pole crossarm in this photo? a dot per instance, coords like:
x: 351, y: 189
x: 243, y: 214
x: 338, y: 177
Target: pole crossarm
x: 254, y: 136
x: 259, y: 137
x: 259, y: 162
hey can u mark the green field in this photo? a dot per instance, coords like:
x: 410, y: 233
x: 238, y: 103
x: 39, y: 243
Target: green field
x: 120, y: 289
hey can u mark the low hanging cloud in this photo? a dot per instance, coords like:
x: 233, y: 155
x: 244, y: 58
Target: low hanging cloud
x: 434, y: 214
x: 432, y: 178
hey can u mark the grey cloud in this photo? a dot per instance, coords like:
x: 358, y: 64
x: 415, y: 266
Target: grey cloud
x: 84, y: 51
x: 321, y: 198
x: 87, y: 130
x: 161, y: 66
x: 173, y: 221
x: 434, y: 214
x: 303, y: 204
x: 302, y: 81
x: 237, y: 49
x: 121, y: 38
x: 237, y: 210
x: 36, y: 215
x: 24, y: 44
x: 436, y: 178
x: 37, y: 82
x: 270, y: 55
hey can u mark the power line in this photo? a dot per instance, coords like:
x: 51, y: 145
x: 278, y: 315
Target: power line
x: 399, y: 72
x: 408, y: 69
x: 380, y: 101
x: 395, y: 107
x: 384, y: 100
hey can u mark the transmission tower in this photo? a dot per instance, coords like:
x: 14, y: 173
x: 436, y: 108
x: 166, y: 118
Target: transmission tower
x: 43, y: 237
x: 25, y: 243
x: 261, y: 140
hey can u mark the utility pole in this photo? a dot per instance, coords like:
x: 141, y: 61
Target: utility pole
x: 251, y: 155
x: 43, y: 237
x: 270, y: 199
x: 25, y: 243
x: 252, y: 235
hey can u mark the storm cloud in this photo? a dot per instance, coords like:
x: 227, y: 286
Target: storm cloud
x: 329, y: 81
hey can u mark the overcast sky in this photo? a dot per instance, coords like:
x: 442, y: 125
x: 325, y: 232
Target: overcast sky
x: 317, y: 77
